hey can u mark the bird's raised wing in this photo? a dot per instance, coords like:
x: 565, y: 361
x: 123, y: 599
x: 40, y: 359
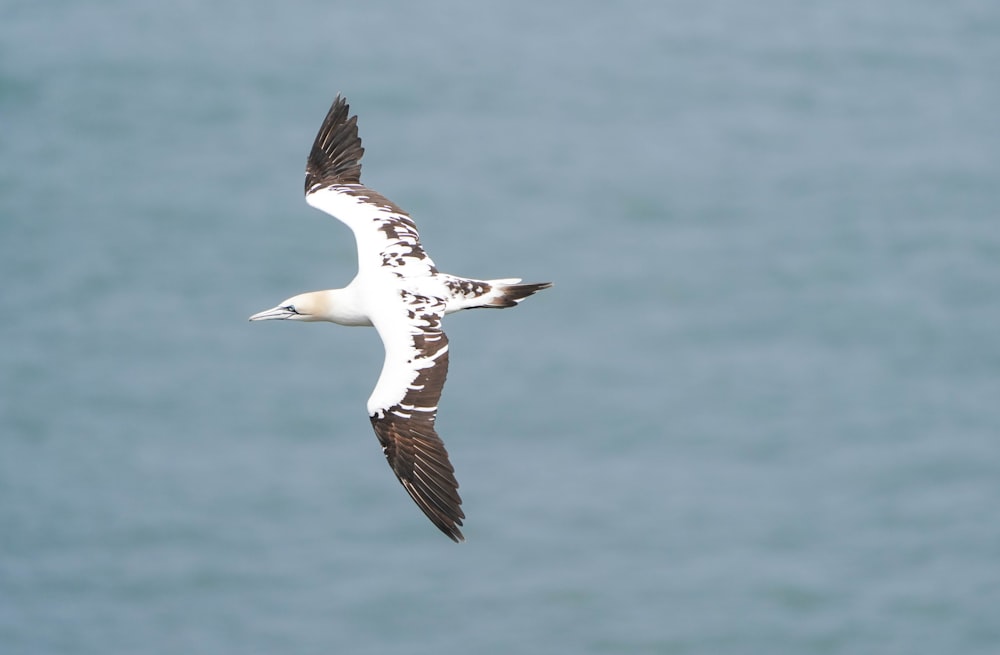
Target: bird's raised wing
x: 403, y: 406
x: 387, y: 237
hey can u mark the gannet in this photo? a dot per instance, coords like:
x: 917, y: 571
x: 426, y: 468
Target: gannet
x: 400, y: 292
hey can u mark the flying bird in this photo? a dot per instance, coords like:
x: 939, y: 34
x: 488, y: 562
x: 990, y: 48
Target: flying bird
x: 400, y: 292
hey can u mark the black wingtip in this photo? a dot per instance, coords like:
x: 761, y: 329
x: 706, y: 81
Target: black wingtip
x: 449, y: 525
x: 420, y: 461
x: 336, y: 154
x: 451, y: 531
x: 446, y: 515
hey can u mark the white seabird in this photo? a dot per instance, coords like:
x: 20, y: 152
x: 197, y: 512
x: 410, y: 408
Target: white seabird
x: 400, y: 292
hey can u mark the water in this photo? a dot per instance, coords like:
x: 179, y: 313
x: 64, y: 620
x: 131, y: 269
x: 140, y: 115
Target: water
x: 757, y: 414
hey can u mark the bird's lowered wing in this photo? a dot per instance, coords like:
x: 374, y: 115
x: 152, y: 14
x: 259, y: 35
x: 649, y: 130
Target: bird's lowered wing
x: 403, y: 406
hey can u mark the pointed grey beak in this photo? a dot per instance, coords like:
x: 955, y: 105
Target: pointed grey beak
x: 273, y: 313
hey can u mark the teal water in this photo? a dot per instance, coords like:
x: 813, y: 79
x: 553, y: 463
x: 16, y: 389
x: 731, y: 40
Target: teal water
x: 757, y: 414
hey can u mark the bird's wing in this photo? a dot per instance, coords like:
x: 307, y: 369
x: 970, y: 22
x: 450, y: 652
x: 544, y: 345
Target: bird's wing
x: 403, y: 406
x: 387, y: 237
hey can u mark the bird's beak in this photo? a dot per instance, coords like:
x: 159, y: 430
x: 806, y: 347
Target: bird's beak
x: 273, y: 313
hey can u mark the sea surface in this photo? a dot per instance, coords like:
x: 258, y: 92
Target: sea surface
x: 758, y: 413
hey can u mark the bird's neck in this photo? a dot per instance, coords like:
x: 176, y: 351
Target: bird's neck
x: 341, y: 306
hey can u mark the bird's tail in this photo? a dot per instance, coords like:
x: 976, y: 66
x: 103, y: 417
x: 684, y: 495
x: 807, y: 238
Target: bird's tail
x: 466, y: 293
x: 509, y: 291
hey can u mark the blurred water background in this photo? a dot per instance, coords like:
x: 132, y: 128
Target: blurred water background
x: 758, y: 413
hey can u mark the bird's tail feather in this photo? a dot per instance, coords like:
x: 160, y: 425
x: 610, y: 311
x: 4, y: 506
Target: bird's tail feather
x: 509, y: 292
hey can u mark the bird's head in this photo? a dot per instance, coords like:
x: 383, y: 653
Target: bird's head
x: 303, y: 307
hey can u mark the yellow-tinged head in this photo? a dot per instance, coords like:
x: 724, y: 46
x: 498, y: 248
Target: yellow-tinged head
x: 312, y: 306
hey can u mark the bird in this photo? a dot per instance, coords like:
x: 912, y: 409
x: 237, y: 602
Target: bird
x: 401, y: 293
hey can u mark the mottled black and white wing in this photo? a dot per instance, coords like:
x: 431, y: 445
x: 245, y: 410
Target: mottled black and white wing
x: 403, y: 406
x: 387, y: 237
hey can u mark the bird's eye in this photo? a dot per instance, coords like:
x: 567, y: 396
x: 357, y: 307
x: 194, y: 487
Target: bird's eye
x: 290, y: 308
